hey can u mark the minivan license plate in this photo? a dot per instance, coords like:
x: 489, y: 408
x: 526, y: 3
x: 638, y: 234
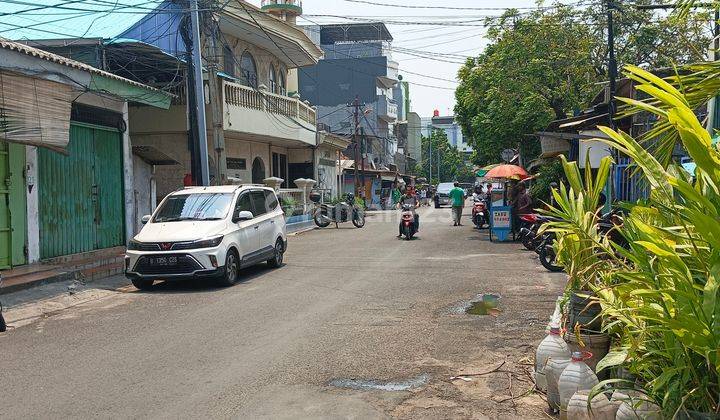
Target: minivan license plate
x: 163, y: 261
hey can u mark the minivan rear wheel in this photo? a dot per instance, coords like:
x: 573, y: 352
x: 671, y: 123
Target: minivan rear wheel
x: 230, y: 276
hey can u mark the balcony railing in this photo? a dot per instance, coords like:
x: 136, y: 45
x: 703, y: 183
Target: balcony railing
x: 243, y: 96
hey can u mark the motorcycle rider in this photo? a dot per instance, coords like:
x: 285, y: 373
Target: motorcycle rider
x: 412, y: 200
x: 478, y: 194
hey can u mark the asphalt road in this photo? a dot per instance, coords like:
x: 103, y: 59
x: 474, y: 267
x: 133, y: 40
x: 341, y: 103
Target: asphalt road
x: 349, y: 304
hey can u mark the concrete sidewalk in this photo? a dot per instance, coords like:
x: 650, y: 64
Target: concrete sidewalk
x: 88, y: 266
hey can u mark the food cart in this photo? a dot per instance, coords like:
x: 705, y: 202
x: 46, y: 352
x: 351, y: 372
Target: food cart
x: 501, y: 213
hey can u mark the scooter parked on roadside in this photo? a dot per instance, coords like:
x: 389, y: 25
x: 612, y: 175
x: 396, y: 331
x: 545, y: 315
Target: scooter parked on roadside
x: 607, y: 226
x: 529, y: 231
x: 479, y: 213
x: 407, y: 222
x: 344, y: 211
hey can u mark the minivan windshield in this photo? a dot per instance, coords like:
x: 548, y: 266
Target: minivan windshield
x: 197, y: 206
x: 445, y: 187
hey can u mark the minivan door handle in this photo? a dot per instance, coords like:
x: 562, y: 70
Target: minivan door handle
x: 272, y: 222
x: 256, y: 227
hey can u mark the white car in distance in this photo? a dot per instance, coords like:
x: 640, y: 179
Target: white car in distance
x: 208, y: 232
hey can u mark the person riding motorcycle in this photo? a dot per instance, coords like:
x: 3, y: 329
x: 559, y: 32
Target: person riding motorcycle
x: 410, y: 199
x: 478, y: 194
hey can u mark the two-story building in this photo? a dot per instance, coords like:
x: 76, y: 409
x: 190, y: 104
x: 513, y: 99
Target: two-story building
x: 261, y: 127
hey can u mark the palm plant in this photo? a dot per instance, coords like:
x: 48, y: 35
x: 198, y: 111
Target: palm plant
x: 698, y: 82
x: 579, y: 247
x: 665, y: 301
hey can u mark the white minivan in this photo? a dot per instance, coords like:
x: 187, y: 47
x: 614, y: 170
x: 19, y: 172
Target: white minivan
x: 208, y: 232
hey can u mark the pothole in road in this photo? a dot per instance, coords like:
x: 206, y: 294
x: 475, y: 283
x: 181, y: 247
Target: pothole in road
x: 364, y: 384
x: 482, y: 304
x: 487, y: 305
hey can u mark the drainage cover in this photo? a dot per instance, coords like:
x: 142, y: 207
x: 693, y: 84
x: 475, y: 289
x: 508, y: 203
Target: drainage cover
x: 487, y: 305
x: 381, y: 386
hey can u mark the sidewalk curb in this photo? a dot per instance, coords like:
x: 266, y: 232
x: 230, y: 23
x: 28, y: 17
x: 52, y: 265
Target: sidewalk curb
x: 58, y: 278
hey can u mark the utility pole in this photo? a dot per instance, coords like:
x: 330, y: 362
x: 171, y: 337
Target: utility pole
x: 363, y: 153
x: 612, y: 63
x: 199, y: 108
x: 430, y: 156
x: 356, y: 119
x: 215, y: 104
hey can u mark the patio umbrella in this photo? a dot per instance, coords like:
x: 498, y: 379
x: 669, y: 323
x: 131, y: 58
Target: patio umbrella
x: 507, y: 171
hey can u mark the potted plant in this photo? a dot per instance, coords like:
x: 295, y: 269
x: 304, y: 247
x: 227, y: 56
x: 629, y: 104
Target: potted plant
x: 583, y: 252
x: 665, y: 302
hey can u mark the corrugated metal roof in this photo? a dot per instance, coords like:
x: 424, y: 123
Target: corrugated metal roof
x: 58, y: 59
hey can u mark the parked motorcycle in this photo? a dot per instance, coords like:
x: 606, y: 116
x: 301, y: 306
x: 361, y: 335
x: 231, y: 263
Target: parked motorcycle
x: 407, y: 222
x: 606, y: 225
x: 344, y: 211
x: 529, y: 231
x: 546, y: 252
x: 480, y: 213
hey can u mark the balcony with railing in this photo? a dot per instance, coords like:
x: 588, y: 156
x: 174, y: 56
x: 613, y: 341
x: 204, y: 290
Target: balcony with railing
x: 262, y: 114
x: 386, y: 109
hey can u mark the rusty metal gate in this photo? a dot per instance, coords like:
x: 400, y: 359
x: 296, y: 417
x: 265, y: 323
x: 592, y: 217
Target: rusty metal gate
x: 81, y: 194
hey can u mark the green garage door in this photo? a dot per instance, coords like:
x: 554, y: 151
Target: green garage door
x: 13, y: 211
x: 81, y: 194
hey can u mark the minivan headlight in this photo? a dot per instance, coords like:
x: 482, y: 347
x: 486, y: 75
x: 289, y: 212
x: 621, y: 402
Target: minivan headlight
x: 200, y: 243
x: 134, y: 245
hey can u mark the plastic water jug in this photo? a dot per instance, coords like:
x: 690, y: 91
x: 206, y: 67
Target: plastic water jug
x: 600, y: 407
x: 552, y: 346
x: 633, y: 405
x: 577, y: 376
x: 553, y: 370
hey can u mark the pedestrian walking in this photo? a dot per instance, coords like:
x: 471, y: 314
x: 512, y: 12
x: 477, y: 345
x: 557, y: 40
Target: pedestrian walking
x: 457, y: 195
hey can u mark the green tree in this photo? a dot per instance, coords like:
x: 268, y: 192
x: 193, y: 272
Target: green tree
x: 543, y: 65
x: 453, y: 164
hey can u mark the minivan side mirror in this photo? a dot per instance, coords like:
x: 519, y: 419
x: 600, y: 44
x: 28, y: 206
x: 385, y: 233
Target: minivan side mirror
x: 145, y: 219
x: 243, y: 215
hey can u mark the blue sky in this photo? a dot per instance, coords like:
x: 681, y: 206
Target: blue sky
x: 80, y: 18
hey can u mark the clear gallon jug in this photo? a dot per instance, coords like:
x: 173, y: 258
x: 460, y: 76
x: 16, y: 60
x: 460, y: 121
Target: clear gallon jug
x: 553, y: 369
x: 600, y: 407
x: 577, y: 376
x: 552, y: 346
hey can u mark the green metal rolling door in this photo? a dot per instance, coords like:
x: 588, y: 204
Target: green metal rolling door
x: 13, y: 212
x: 81, y: 194
x: 109, y: 215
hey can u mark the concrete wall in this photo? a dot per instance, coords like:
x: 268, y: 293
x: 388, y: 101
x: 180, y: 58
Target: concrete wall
x: 335, y: 82
x: 255, y: 122
x: 413, y: 140
x: 326, y: 174
x: 143, y: 190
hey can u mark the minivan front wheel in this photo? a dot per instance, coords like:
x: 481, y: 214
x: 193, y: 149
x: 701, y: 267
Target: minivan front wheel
x: 277, y: 259
x: 229, y: 277
x: 143, y: 284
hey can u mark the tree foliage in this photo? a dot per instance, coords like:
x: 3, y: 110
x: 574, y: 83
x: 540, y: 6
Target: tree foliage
x: 543, y: 65
x: 453, y: 164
